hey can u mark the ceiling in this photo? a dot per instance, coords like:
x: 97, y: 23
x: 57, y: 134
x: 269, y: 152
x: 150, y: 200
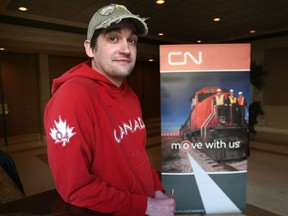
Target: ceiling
x: 182, y: 21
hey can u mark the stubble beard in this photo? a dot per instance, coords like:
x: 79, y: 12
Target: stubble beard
x: 122, y: 72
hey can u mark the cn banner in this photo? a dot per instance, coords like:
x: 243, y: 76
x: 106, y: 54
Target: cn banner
x: 204, y: 126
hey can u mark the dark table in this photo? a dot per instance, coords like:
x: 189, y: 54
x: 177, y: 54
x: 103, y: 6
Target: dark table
x: 51, y: 204
x: 47, y: 203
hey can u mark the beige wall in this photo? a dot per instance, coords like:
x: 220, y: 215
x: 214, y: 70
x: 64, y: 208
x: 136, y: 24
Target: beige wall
x: 276, y: 65
x: 273, y: 55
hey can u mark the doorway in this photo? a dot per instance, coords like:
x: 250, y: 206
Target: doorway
x: 19, y: 99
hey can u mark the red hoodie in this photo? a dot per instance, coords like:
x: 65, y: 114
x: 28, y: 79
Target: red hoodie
x: 96, y: 144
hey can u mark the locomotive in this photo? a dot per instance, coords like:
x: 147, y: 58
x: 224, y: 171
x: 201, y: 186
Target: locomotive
x: 205, y: 124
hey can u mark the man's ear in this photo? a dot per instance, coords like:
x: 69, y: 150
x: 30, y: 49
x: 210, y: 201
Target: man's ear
x: 88, y: 49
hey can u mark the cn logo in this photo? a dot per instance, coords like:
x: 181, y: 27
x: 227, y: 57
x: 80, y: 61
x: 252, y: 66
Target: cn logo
x: 183, y: 58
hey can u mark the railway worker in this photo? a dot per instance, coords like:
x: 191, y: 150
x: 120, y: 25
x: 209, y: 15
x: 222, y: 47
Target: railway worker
x: 95, y: 133
x: 233, y: 108
x: 219, y: 101
x: 241, y: 101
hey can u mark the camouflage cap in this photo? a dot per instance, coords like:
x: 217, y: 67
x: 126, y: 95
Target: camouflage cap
x: 114, y: 13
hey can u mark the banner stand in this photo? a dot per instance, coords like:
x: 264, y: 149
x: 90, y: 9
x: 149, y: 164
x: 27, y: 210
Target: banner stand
x: 204, y: 126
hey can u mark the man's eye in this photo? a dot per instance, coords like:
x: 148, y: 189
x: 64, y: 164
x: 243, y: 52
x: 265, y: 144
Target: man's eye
x: 132, y: 40
x: 113, y: 39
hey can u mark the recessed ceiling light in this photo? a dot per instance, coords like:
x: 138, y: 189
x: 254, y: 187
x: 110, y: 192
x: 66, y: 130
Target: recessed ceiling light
x: 252, y: 31
x: 199, y: 41
x: 2, y: 49
x: 216, y: 19
x: 160, y: 2
x: 160, y: 33
x: 151, y: 60
x: 23, y: 8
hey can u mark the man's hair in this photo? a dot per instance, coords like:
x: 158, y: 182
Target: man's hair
x: 94, y: 38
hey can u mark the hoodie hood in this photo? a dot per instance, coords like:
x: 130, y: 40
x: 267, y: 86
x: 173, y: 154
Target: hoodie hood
x: 84, y: 70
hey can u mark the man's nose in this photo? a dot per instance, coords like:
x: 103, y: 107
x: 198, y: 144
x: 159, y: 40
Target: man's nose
x: 125, y: 48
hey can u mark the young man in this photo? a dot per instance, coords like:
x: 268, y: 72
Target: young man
x: 95, y: 133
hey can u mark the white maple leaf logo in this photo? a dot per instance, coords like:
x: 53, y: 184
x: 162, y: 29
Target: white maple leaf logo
x: 61, y: 132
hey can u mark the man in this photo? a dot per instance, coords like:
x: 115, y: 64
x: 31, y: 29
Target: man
x: 241, y: 101
x: 233, y: 108
x: 219, y: 101
x: 95, y: 133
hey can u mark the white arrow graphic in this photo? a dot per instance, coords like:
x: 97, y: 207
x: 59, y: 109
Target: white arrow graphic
x: 215, y: 201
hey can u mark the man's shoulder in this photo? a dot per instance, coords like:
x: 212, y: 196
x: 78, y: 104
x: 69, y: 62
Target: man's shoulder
x: 77, y: 87
x: 77, y: 83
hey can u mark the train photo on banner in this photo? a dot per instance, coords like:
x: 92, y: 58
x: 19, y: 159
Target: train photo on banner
x: 216, y: 116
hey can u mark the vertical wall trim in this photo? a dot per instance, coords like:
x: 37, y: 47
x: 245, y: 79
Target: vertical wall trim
x: 44, y: 85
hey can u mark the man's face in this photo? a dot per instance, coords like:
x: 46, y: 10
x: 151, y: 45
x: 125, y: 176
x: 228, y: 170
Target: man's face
x: 115, y: 52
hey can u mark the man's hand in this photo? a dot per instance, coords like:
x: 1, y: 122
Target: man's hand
x: 160, y: 195
x: 160, y: 205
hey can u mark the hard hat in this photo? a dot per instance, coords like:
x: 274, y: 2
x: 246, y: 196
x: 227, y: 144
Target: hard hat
x: 231, y: 90
x: 219, y: 90
x: 240, y: 93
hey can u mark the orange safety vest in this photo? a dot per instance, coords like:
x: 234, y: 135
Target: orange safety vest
x: 241, y: 101
x: 219, y: 99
